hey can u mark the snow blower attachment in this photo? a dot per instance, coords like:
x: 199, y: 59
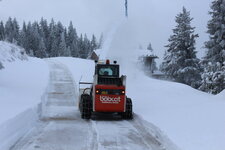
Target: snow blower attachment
x: 107, y: 93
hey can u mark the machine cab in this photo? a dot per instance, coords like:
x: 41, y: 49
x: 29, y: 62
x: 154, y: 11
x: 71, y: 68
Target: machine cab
x: 107, y: 69
x: 108, y: 74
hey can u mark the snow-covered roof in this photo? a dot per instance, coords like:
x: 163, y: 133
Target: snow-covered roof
x: 98, y: 52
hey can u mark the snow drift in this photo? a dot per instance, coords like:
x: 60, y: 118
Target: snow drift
x: 21, y: 88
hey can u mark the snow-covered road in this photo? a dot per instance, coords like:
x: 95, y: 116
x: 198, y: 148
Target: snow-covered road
x: 61, y: 127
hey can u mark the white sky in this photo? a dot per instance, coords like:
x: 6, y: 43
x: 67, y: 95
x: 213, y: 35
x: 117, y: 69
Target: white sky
x: 152, y: 20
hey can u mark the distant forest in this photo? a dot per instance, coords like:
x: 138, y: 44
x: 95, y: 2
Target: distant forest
x: 43, y: 39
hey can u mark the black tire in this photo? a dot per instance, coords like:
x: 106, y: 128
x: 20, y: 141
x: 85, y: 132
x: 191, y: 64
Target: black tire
x: 128, y: 114
x: 85, y: 106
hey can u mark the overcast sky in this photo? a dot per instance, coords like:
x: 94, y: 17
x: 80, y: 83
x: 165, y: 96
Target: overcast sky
x: 152, y: 20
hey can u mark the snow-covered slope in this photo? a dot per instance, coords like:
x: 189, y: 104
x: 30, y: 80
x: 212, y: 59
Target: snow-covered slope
x: 10, y: 52
x: 192, y: 119
x: 22, y: 83
x: 20, y: 74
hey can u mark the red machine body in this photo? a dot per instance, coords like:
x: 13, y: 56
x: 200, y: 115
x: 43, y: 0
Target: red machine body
x: 109, y: 98
x: 107, y: 93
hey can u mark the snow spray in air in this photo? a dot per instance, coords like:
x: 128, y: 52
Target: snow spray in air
x: 122, y: 41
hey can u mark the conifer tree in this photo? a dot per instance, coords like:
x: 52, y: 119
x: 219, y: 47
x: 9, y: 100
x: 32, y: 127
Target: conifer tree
x: 81, y: 46
x: 150, y: 47
x: 2, y: 31
x: 63, y: 51
x: 51, y: 46
x: 213, y: 78
x: 9, y: 30
x: 41, y: 52
x: 35, y: 38
x: 1, y: 66
x: 180, y: 62
x: 94, y: 44
x: 44, y: 33
x: 15, y: 31
x: 87, y: 47
x: 23, y: 41
x: 72, y: 40
x: 29, y: 39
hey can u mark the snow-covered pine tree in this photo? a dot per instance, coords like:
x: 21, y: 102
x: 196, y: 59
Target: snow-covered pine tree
x: 16, y: 30
x: 87, y: 46
x: 23, y: 41
x: 2, y: 31
x: 52, y: 45
x: 41, y: 52
x: 44, y: 33
x: 63, y: 50
x: 94, y: 44
x: 1, y: 66
x: 35, y: 38
x: 72, y: 40
x: 213, y: 78
x: 59, y: 32
x: 67, y: 52
x: 180, y: 62
x: 150, y: 47
x: 12, y: 30
x: 55, y: 36
x: 9, y: 30
x: 81, y: 47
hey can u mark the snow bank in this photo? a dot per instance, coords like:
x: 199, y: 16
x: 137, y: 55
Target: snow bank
x: 12, y: 130
x: 22, y: 84
x: 10, y: 52
x: 191, y: 119
x: 21, y: 88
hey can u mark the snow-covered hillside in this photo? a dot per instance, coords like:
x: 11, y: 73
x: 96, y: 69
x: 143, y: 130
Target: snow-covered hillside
x: 22, y: 83
x: 10, y: 52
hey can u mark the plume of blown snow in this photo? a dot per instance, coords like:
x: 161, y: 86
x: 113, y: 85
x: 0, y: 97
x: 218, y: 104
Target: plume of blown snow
x: 122, y: 44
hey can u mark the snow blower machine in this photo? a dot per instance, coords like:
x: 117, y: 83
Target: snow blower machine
x: 107, y: 93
